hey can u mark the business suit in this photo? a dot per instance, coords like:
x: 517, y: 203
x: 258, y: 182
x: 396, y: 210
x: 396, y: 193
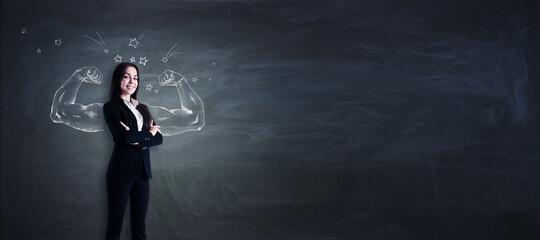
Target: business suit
x: 128, y: 171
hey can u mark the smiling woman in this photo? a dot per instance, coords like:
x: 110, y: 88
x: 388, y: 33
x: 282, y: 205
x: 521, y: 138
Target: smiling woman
x: 133, y: 131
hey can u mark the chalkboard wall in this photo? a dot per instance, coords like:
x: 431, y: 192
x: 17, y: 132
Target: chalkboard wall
x: 323, y: 119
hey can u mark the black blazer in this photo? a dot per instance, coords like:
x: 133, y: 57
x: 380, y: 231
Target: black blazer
x: 126, y: 159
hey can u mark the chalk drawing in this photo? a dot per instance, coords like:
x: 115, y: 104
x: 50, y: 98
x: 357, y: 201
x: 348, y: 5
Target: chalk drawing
x: 66, y: 110
x: 143, y: 61
x: 38, y: 50
x: 170, y: 53
x: 102, y: 43
x: 58, y: 42
x: 188, y: 115
x: 118, y: 59
x: 132, y: 59
x: 149, y: 87
x: 24, y: 31
x: 134, y: 42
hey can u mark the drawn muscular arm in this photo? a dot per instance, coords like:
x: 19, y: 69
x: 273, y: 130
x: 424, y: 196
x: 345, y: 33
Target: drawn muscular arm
x: 189, y: 116
x: 66, y: 110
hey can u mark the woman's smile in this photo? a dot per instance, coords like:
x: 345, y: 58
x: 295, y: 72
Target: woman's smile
x: 130, y: 82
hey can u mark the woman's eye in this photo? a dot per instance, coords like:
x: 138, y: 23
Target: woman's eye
x: 126, y: 77
x: 136, y: 79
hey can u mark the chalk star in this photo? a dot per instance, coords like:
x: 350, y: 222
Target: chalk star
x: 24, y: 31
x: 143, y: 60
x: 38, y: 50
x: 57, y: 42
x: 149, y: 87
x: 106, y: 50
x: 133, y: 42
x: 132, y: 59
x: 164, y: 59
x: 194, y: 79
x: 117, y: 58
x: 156, y: 91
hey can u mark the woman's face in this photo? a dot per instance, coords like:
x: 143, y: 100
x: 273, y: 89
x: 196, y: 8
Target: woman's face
x: 129, y: 82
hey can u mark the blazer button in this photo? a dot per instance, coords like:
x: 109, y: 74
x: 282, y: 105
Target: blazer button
x: 147, y: 139
x: 144, y: 148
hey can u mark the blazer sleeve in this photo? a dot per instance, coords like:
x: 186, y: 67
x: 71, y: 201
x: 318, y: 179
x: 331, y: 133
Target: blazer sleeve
x: 119, y: 132
x: 153, y: 141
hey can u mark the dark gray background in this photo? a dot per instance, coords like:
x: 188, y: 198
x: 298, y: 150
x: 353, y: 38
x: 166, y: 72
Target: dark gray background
x: 324, y: 119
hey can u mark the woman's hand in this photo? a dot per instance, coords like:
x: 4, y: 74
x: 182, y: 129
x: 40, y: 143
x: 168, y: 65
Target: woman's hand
x: 154, y: 129
x: 127, y: 129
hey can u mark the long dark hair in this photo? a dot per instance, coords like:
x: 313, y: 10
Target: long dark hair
x: 115, y: 92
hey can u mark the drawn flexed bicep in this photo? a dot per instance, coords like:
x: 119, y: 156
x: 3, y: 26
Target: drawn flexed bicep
x: 66, y: 110
x: 189, y: 113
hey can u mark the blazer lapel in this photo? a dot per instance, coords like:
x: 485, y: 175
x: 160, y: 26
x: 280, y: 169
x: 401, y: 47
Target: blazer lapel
x: 132, y: 121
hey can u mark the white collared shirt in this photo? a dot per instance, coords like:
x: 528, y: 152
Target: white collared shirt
x: 133, y: 107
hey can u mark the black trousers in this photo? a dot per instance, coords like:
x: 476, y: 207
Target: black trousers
x: 138, y: 192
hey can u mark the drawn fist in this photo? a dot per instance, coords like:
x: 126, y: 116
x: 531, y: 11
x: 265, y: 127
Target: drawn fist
x: 89, y: 75
x: 170, y: 78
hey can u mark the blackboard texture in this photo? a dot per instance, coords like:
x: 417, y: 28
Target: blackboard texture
x: 323, y: 119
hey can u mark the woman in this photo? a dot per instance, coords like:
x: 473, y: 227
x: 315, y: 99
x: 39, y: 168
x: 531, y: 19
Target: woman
x: 133, y: 131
